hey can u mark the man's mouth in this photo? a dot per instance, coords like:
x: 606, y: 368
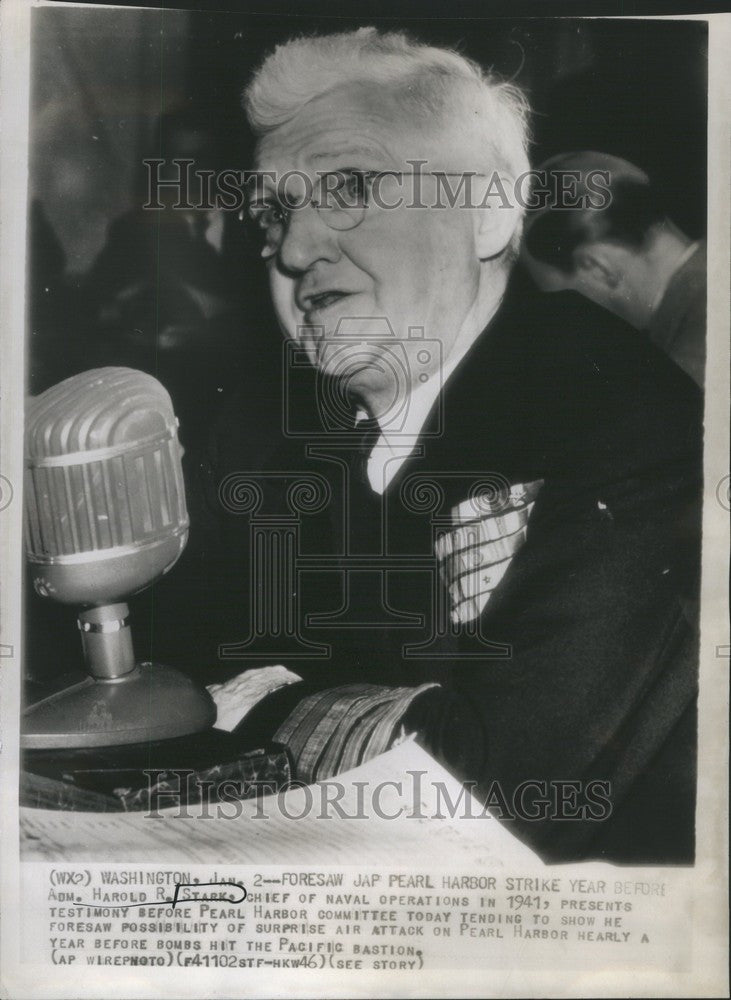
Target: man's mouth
x: 322, y: 300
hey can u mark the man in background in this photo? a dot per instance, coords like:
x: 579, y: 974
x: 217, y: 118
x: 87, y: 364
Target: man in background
x: 627, y: 256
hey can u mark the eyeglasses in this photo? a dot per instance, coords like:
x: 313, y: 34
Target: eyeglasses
x: 340, y: 198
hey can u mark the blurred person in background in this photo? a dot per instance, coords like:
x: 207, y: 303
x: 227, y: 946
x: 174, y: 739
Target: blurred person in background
x: 169, y: 293
x: 627, y: 256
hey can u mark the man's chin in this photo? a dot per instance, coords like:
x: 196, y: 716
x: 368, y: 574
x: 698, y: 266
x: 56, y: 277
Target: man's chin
x: 369, y: 386
x: 352, y: 362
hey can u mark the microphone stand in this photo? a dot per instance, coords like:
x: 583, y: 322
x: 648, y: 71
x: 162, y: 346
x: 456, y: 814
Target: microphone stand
x: 120, y: 701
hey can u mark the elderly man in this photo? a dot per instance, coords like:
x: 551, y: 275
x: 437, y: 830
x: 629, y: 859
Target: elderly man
x: 510, y: 478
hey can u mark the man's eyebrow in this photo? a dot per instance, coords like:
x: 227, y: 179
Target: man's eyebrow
x: 332, y: 154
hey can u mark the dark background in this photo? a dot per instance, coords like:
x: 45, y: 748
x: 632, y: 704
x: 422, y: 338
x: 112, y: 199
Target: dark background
x: 633, y: 88
x: 101, y: 79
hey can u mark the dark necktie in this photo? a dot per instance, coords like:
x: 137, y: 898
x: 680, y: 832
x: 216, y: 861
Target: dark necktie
x: 365, y: 435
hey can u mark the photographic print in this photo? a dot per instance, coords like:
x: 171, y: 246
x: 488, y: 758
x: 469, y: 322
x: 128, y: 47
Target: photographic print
x: 364, y: 500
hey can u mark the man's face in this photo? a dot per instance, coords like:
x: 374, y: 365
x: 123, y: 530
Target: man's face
x: 416, y: 267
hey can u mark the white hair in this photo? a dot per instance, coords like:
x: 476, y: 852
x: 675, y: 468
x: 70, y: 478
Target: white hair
x: 429, y: 81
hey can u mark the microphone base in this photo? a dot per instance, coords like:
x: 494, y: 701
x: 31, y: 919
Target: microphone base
x: 150, y: 703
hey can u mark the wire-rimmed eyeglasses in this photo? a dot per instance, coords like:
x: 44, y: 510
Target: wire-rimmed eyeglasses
x: 340, y: 197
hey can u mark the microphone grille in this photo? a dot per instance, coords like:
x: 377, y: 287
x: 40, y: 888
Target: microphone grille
x: 103, y: 465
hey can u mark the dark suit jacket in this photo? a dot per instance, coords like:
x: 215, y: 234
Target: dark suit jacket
x: 582, y: 664
x: 678, y: 326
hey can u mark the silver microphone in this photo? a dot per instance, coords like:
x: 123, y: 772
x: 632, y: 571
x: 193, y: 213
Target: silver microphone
x: 106, y: 517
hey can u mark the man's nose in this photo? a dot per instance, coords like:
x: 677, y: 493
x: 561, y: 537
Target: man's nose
x: 306, y: 240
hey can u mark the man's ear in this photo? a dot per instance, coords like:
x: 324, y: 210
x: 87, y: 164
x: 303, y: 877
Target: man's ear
x: 596, y: 264
x: 497, y: 216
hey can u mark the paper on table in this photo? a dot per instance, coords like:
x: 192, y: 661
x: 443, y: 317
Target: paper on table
x: 418, y: 834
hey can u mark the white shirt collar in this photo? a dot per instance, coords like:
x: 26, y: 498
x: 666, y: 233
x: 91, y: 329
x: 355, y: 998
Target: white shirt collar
x: 683, y: 259
x: 396, y: 443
